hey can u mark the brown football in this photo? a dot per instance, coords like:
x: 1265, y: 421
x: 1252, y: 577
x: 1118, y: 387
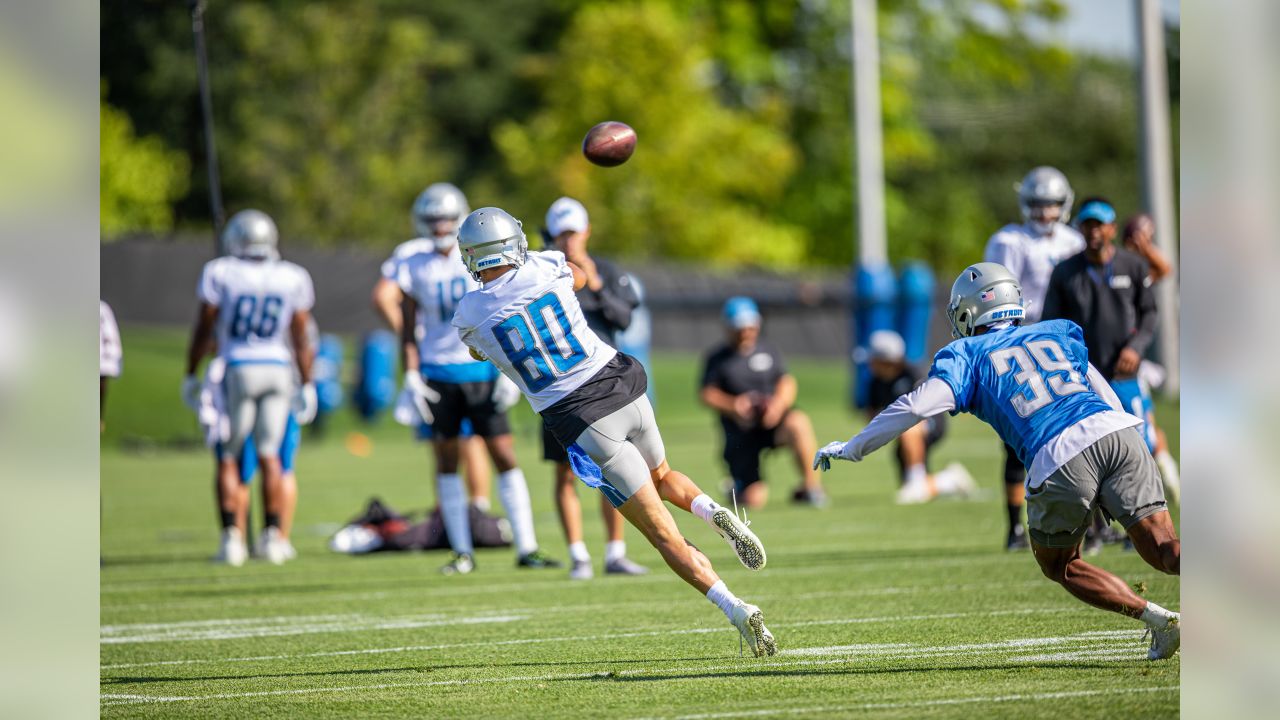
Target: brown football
x: 609, y: 144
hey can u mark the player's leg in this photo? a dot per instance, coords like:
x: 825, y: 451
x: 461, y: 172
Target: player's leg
x: 796, y: 433
x: 289, y: 483
x: 1015, y: 477
x: 270, y: 423
x: 742, y: 451
x: 954, y: 479
x: 241, y: 409
x: 616, y: 561
x: 917, y: 486
x: 1133, y: 494
x: 513, y: 489
x: 475, y: 468
x: 231, y: 510
x: 627, y: 483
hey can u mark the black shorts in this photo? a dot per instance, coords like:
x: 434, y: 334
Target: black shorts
x: 742, y: 449
x: 551, y: 448
x: 471, y: 401
x: 935, y: 427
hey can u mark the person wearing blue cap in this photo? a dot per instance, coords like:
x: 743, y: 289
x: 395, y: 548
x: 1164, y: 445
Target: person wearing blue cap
x: 1107, y: 291
x: 746, y: 381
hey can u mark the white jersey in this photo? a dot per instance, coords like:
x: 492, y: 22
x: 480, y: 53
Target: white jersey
x: 110, y: 352
x: 1031, y: 259
x: 256, y: 300
x: 437, y: 283
x: 391, y: 266
x: 528, y: 323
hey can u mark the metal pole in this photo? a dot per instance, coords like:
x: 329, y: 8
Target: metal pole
x: 206, y: 107
x: 1157, y: 167
x: 869, y: 151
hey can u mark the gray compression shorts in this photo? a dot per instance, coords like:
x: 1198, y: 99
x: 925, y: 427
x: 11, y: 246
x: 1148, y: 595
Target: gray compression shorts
x: 626, y: 445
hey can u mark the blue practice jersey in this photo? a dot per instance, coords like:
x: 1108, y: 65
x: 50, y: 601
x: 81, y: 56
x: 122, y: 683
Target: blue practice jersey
x: 1029, y: 383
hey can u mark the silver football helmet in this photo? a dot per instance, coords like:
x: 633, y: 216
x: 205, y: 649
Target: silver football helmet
x: 1044, y: 186
x: 251, y: 234
x: 490, y: 238
x: 440, y: 206
x: 984, y: 293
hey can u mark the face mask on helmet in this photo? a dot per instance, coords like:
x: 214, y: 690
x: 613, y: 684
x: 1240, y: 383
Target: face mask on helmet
x: 1045, y: 198
x: 437, y: 213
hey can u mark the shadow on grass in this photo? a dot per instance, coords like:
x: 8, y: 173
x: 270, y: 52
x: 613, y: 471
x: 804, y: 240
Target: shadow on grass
x: 854, y: 671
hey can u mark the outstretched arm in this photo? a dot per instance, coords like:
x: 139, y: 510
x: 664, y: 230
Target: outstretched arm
x: 934, y: 396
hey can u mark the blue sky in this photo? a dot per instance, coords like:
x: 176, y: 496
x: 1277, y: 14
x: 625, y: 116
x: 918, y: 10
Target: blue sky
x: 1106, y: 26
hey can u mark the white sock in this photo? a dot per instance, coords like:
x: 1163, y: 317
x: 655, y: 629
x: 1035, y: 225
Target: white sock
x: 578, y: 552
x: 453, y: 508
x: 1156, y: 616
x: 704, y: 507
x: 481, y: 504
x: 615, y: 550
x: 514, y: 492
x: 916, y: 475
x: 722, y: 598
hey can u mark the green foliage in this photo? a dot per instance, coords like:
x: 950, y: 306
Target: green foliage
x: 140, y: 177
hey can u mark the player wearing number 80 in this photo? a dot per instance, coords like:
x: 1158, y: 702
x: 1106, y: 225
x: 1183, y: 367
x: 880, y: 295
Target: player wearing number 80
x: 1035, y: 386
x: 526, y: 319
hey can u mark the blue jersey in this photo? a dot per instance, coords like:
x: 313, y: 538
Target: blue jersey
x: 1029, y: 383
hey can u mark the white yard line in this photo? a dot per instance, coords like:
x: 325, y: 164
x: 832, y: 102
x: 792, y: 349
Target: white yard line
x: 746, y: 665
x: 276, y: 627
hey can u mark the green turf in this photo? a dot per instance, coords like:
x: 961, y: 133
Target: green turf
x: 881, y: 611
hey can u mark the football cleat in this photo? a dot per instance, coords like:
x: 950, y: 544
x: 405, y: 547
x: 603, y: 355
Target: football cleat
x: 274, y: 548
x: 814, y: 497
x: 624, y: 566
x: 750, y: 623
x: 538, y: 559
x: 1017, y: 539
x: 745, y: 544
x: 581, y: 570
x: 231, y: 549
x: 461, y: 564
x: 1166, y: 640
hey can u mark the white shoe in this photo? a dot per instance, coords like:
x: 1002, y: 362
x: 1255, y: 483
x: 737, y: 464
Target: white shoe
x: 745, y: 544
x: 1165, y: 640
x: 581, y: 570
x: 289, y: 552
x: 915, y: 493
x: 750, y: 623
x: 273, y: 547
x: 964, y: 482
x: 231, y: 550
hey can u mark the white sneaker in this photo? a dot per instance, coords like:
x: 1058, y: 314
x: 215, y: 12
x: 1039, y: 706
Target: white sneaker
x: 750, y: 623
x: 289, y: 552
x: 964, y: 482
x: 1165, y: 640
x: 581, y: 570
x: 272, y: 546
x: 231, y: 550
x: 745, y: 544
x: 914, y: 493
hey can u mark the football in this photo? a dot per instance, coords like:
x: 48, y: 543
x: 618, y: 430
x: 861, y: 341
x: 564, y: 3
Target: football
x: 609, y: 144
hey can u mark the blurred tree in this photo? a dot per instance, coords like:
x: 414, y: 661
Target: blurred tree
x: 706, y: 179
x: 140, y: 177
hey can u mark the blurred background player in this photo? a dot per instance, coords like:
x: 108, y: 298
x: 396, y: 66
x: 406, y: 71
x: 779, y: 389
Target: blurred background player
x: 592, y: 397
x: 1107, y: 291
x: 451, y: 387
x: 746, y: 381
x: 1036, y: 387
x: 252, y: 300
x: 1030, y: 251
x: 607, y: 300
x: 110, y: 357
x: 892, y: 377
x: 436, y: 213
x: 1139, y: 237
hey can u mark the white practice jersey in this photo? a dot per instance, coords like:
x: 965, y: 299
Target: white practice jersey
x: 391, y: 266
x: 256, y: 300
x: 529, y: 324
x: 1031, y: 259
x: 110, y: 353
x: 437, y: 283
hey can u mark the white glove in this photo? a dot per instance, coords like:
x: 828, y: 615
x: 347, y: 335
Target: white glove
x: 191, y: 393
x: 418, y: 396
x: 306, y: 404
x: 832, y: 451
x: 505, y: 393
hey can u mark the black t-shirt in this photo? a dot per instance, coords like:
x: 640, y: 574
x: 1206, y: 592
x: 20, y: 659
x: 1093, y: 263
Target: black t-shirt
x: 756, y: 373
x: 608, y: 310
x: 1113, y: 304
x: 882, y: 392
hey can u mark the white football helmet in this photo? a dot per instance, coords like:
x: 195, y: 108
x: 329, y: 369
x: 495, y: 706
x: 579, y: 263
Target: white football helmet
x: 985, y: 293
x: 490, y: 238
x: 251, y: 234
x: 1044, y: 186
x: 437, y: 212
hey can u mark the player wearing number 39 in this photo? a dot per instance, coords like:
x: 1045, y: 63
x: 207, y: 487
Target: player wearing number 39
x: 1034, y: 385
x: 526, y: 320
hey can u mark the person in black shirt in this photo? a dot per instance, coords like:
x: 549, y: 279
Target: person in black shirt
x: 892, y: 377
x: 607, y: 301
x: 1106, y: 290
x: 746, y: 381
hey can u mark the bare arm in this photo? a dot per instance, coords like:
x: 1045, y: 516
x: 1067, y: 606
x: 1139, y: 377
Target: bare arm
x: 408, y: 343
x: 201, y: 336
x: 386, y: 301
x: 717, y: 399
x: 579, y: 276
x: 784, y: 397
x: 303, y: 353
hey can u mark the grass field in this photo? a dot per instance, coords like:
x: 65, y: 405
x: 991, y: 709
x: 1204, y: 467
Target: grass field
x: 880, y: 610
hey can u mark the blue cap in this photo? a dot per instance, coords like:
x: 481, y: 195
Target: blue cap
x: 1096, y: 210
x: 740, y: 312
